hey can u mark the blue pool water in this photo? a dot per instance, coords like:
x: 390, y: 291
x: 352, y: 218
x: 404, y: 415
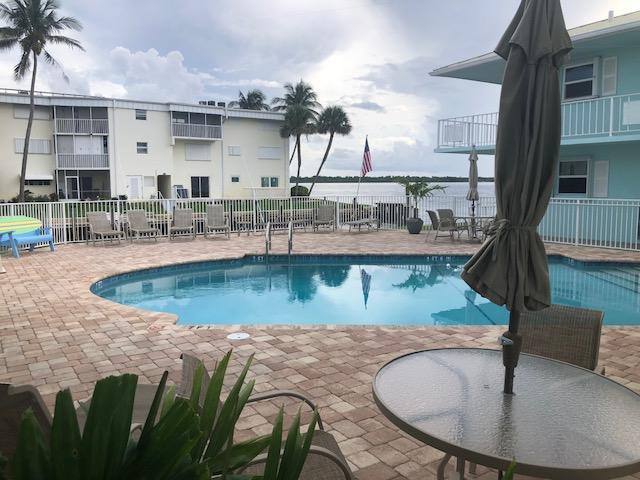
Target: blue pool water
x: 357, y: 290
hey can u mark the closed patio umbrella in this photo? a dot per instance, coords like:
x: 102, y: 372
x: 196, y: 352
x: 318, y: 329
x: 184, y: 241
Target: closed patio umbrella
x: 472, y: 193
x: 511, y: 267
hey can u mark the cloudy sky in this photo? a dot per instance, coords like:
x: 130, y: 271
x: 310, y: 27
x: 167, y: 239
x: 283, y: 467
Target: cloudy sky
x: 370, y: 56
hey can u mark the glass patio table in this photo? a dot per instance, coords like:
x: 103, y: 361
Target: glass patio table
x: 564, y: 422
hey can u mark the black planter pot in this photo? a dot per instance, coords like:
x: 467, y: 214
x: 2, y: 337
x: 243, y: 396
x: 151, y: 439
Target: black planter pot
x: 414, y: 225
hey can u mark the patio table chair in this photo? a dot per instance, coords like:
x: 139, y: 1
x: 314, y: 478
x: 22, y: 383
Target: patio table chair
x: 100, y: 228
x: 216, y: 221
x: 325, y: 460
x: 446, y: 225
x: 139, y: 226
x: 182, y: 223
x: 324, y: 216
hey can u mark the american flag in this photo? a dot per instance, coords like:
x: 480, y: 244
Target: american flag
x: 365, y: 278
x: 366, y: 159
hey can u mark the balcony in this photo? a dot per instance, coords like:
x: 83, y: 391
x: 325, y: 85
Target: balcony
x: 192, y: 130
x: 82, y: 160
x: 84, y: 126
x: 595, y: 120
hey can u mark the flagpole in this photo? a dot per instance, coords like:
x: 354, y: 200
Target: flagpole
x: 366, y: 138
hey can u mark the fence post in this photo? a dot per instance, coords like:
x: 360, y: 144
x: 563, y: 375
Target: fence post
x: 338, y: 223
x: 255, y: 212
x: 576, y: 240
x: 63, y: 207
x: 611, y: 116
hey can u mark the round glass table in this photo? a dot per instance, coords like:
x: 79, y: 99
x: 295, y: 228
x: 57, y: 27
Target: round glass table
x: 564, y: 422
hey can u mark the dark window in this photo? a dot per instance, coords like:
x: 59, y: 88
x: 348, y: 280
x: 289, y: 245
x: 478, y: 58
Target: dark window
x: 572, y: 185
x: 33, y: 183
x: 579, y: 81
x: 141, y: 114
x: 200, y: 187
x: 235, y: 179
x: 572, y: 177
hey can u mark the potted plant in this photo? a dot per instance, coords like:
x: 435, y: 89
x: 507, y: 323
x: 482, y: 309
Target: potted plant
x: 416, y: 191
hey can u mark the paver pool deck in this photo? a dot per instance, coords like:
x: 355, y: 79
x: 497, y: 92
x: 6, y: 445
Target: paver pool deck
x: 54, y: 333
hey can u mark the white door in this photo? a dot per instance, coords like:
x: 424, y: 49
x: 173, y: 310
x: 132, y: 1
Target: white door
x: 134, y: 187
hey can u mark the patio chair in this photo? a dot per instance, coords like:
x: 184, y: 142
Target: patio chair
x: 216, y: 221
x: 182, y: 223
x: 442, y: 225
x: 324, y: 216
x: 139, y: 226
x: 568, y: 334
x: 100, y: 228
x: 448, y: 218
x: 325, y: 461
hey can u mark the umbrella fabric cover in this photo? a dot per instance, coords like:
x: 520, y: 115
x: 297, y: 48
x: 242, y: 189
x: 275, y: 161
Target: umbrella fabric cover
x: 472, y: 193
x: 511, y: 266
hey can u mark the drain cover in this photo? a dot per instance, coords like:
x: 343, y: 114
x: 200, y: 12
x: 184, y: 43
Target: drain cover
x: 238, y: 336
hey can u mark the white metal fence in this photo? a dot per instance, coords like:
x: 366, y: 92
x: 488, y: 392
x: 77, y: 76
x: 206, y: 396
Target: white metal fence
x: 588, y: 222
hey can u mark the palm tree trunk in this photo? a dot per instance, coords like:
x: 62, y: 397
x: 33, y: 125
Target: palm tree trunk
x: 295, y: 146
x: 299, y: 161
x: 27, y: 136
x: 324, y: 159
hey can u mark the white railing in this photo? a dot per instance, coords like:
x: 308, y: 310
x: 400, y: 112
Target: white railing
x: 604, y: 223
x: 82, y: 160
x: 82, y: 126
x: 606, y: 116
x: 191, y: 130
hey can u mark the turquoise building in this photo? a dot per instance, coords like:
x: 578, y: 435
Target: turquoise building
x: 600, y: 148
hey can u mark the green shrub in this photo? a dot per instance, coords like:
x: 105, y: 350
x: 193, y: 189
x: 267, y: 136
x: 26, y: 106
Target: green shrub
x: 299, y: 191
x: 189, y: 441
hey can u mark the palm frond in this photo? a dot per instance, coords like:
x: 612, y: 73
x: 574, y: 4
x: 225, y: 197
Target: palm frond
x: 54, y: 63
x: 68, y: 22
x: 23, y: 66
x: 62, y: 40
x: 8, y: 43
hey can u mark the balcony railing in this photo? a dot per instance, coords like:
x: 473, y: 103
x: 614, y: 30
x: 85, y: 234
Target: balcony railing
x: 192, y: 130
x: 598, y: 117
x: 82, y: 160
x: 82, y: 126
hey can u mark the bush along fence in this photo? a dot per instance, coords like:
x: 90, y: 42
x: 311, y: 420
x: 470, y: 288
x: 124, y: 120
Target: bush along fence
x: 604, y: 223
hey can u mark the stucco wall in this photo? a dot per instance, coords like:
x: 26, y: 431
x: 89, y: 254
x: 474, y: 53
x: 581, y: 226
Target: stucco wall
x: 10, y: 129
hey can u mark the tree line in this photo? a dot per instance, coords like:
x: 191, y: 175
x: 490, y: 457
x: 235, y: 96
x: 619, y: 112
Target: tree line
x: 385, y: 179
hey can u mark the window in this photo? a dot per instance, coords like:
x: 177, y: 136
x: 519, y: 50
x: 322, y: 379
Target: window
x: 234, y: 150
x: 235, y: 179
x: 572, y: 178
x: 141, y: 114
x: 269, y: 182
x: 34, y: 183
x: 198, y: 152
x: 200, y: 187
x: 39, y: 113
x: 580, y: 81
x: 36, y: 145
x: 269, y: 153
x: 142, y: 148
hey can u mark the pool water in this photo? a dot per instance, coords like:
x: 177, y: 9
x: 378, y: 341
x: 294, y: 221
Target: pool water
x: 357, y: 290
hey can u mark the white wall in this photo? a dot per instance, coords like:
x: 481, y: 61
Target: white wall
x: 11, y: 162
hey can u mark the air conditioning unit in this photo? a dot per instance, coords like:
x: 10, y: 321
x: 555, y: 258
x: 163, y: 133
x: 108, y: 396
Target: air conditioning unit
x: 211, y: 103
x: 202, y: 102
x: 222, y: 104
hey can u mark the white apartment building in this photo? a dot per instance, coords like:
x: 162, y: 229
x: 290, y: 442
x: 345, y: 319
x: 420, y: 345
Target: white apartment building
x: 85, y: 147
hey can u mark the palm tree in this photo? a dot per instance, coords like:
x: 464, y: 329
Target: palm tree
x: 254, y: 100
x: 31, y: 25
x: 301, y: 94
x: 298, y: 121
x: 332, y: 120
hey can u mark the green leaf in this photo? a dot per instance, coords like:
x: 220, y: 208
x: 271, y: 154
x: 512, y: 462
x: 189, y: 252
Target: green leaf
x: 239, y: 454
x: 273, y: 457
x: 153, y: 411
x: 225, y: 425
x: 508, y: 475
x: 211, y: 404
x: 167, y: 400
x: 107, y: 429
x: 31, y: 458
x: 288, y: 464
x: 196, y: 387
x: 65, y: 439
x: 301, y: 455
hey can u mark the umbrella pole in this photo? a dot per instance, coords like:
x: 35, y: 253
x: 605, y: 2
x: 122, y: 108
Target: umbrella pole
x: 511, y: 346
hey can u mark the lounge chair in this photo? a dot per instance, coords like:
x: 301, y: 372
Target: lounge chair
x: 182, y: 223
x: 449, y: 219
x: 15, y: 241
x: 324, y: 216
x: 325, y: 461
x: 441, y: 226
x: 139, y: 225
x: 100, y: 228
x: 216, y: 221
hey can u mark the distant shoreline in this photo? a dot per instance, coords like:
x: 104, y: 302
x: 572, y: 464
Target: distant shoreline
x: 388, y: 179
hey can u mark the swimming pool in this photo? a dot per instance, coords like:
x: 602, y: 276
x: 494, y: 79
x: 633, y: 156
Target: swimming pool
x: 357, y: 290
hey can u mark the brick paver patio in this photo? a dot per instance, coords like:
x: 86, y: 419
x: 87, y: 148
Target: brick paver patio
x: 55, y: 334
